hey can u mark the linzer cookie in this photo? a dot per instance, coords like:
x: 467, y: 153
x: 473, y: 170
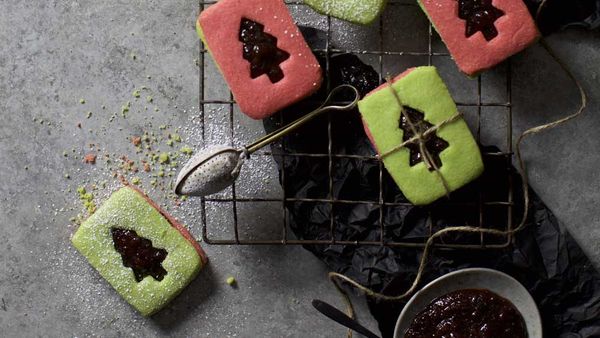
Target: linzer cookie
x: 145, y: 254
x: 481, y: 33
x: 357, y: 11
x: 453, y: 158
x: 261, y: 53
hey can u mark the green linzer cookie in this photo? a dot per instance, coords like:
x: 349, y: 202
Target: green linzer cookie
x: 357, y: 11
x: 427, y: 103
x: 145, y: 254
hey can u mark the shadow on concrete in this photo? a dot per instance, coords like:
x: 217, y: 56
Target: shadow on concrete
x: 186, y: 304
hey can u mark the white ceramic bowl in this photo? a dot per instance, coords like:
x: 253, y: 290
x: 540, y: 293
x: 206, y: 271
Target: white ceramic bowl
x: 475, y: 278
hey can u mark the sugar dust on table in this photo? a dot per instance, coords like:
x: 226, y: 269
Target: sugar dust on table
x: 412, y: 121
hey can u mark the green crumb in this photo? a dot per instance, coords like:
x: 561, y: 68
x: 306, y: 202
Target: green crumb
x: 136, y: 94
x: 170, y: 143
x: 156, y: 109
x: 176, y: 137
x: 161, y: 174
x: 163, y: 158
x: 90, y: 207
x: 87, y: 199
x: 125, y: 108
x: 231, y: 281
x: 153, y: 183
x: 149, y: 99
x: 136, y: 180
x: 186, y: 150
x: 67, y: 176
x: 162, y: 127
x: 183, y: 198
x: 174, y: 164
x: 65, y: 154
x: 89, y: 114
x: 82, y: 101
x: 144, y: 88
x: 148, y: 77
x: 133, y: 56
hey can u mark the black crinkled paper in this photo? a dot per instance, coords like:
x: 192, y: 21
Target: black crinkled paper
x: 560, y: 14
x: 544, y: 256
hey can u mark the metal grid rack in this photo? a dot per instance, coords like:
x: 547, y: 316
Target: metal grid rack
x: 379, y: 54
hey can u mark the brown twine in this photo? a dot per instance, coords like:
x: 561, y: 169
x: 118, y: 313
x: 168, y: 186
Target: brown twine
x: 337, y: 278
x: 421, y: 138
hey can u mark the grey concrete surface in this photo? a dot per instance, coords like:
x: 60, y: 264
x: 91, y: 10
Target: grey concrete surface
x: 55, y: 53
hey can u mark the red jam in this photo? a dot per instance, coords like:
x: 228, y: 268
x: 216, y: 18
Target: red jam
x: 139, y: 254
x: 481, y: 16
x: 434, y: 144
x: 260, y: 49
x: 468, y: 313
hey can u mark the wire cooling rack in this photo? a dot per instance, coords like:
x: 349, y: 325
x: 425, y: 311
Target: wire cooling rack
x: 480, y: 108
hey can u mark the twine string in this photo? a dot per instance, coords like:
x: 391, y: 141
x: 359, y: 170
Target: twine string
x: 426, y: 133
x: 337, y: 278
x: 420, y: 137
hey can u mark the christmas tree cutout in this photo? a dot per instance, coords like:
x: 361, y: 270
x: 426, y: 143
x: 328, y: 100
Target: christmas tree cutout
x: 433, y: 143
x: 260, y: 49
x: 138, y: 254
x: 481, y: 16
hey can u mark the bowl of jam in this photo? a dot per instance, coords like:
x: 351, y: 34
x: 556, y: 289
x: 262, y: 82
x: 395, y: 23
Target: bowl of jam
x: 471, y: 303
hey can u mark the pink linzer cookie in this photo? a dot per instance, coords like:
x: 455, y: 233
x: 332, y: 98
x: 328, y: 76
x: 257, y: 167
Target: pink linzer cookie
x: 261, y: 53
x: 481, y: 33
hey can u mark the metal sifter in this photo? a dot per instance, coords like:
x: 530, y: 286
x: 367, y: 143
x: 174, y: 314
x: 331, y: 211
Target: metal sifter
x: 215, y: 168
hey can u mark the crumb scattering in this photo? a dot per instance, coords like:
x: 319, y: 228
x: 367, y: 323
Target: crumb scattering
x: 164, y: 158
x: 90, y: 158
x: 186, y: 150
x: 136, y: 140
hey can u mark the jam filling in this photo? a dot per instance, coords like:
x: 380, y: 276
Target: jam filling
x: 481, y: 16
x: 433, y: 143
x: 468, y: 313
x: 139, y: 254
x: 260, y: 49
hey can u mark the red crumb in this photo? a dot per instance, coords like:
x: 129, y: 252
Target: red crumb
x: 146, y: 167
x: 79, y: 125
x: 136, y: 140
x: 89, y: 158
